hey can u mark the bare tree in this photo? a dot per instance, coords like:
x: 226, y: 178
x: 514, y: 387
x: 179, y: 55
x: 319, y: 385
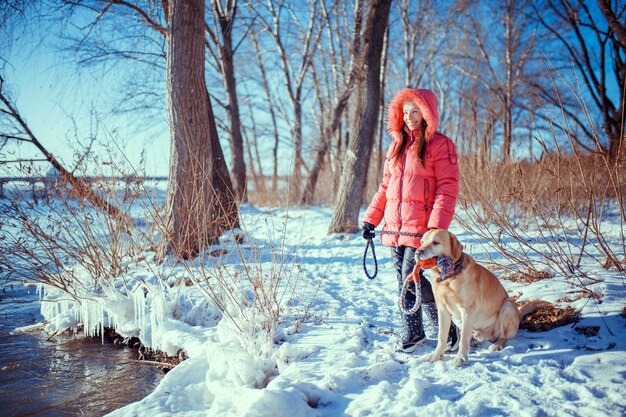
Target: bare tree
x: 340, y: 101
x: 294, y: 76
x: 15, y: 129
x: 254, y: 156
x: 223, y: 214
x: 271, y: 109
x: 226, y: 15
x: 595, y: 41
x: 422, y: 37
x: 499, y: 67
x: 189, y: 222
x: 353, y: 176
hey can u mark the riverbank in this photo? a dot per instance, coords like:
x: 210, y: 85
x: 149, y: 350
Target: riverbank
x: 64, y: 375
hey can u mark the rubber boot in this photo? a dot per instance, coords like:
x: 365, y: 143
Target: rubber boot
x: 453, y: 336
x: 413, y: 334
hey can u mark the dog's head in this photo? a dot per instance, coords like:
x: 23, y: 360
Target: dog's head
x: 439, y: 242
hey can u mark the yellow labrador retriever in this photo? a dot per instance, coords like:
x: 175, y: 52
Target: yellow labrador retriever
x: 471, y: 293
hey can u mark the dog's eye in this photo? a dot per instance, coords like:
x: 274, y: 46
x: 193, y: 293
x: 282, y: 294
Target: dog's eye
x: 435, y: 242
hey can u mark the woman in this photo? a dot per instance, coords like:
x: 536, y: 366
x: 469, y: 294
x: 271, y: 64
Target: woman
x: 418, y: 192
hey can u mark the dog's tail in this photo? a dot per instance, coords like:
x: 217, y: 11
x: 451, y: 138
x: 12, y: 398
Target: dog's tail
x: 532, y: 306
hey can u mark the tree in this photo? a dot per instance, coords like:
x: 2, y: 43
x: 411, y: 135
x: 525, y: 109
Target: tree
x: 353, y: 176
x: 595, y: 42
x: 223, y: 214
x: 270, y: 108
x: 226, y: 15
x: 190, y: 197
x: 422, y: 37
x: 499, y: 55
x: 340, y: 102
x: 13, y: 128
x: 294, y: 77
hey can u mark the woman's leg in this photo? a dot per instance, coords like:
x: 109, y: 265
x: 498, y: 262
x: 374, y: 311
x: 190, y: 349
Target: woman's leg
x: 413, y: 335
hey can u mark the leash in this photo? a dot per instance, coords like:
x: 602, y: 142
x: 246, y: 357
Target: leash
x: 370, y: 243
x: 418, y: 294
x: 448, y: 270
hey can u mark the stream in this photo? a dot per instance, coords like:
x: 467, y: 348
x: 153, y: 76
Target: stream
x: 65, y: 375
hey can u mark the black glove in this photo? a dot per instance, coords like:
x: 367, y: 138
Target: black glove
x: 368, y: 231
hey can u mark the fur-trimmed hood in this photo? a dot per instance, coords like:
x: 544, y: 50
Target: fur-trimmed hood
x: 424, y: 99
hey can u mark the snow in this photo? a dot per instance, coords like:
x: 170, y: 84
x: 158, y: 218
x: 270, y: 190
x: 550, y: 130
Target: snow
x: 332, y: 351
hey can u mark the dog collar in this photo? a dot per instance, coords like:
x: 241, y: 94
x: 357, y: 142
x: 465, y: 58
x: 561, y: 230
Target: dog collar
x: 446, y: 271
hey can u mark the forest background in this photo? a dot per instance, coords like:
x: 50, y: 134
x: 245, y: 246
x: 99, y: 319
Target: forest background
x: 293, y: 103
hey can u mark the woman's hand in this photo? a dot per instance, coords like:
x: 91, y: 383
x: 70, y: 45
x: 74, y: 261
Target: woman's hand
x: 368, y: 231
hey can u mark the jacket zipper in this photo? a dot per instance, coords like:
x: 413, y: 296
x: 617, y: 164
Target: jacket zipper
x: 426, y: 197
x: 402, y: 186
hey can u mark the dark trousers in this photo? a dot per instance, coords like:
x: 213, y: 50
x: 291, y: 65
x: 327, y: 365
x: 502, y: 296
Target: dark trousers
x: 403, y: 258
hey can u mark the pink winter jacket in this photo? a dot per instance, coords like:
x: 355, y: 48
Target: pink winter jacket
x: 413, y: 197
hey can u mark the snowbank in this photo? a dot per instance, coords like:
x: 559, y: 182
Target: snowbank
x: 332, y: 351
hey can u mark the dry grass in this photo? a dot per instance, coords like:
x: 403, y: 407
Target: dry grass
x: 546, y: 319
x: 526, y: 277
x: 582, y: 293
x: 559, y: 202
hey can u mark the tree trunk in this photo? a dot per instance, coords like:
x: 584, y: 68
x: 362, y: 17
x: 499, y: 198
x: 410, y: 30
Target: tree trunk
x: 320, y: 157
x: 381, y: 129
x: 325, y: 141
x: 296, y: 176
x: 225, y: 214
x: 272, y: 112
x: 353, y: 176
x: 226, y: 21
x: 342, y: 102
x: 189, y: 225
x: 508, y: 93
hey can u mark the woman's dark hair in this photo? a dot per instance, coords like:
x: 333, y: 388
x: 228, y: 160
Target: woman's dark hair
x: 420, y: 142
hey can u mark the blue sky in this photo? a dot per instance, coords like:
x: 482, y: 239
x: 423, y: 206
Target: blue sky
x: 58, y: 103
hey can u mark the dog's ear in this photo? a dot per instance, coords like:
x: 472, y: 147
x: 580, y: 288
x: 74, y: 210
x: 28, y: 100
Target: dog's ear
x: 456, y: 249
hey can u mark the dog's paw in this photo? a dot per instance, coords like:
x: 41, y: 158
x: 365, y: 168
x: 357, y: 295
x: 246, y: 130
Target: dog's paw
x: 460, y: 360
x: 432, y: 357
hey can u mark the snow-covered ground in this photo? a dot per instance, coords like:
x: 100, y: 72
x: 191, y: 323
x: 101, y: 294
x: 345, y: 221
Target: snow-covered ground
x: 333, y: 351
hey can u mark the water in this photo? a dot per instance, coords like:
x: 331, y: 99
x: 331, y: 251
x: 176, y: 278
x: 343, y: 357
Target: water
x: 65, y: 376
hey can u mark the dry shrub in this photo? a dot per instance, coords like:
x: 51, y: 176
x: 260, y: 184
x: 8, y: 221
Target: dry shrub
x: 560, y: 182
x: 526, y: 277
x: 548, y: 318
x: 46, y: 235
x: 546, y: 213
x: 264, y: 195
x: 582, y: 293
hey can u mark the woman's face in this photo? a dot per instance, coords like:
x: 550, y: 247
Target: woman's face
x: 412, y: 115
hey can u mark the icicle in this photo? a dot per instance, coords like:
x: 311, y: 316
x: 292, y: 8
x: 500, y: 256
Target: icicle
x: 139, y: 306
x: 157, y: 314
x: 92, y: 316
x: 83, y: 317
